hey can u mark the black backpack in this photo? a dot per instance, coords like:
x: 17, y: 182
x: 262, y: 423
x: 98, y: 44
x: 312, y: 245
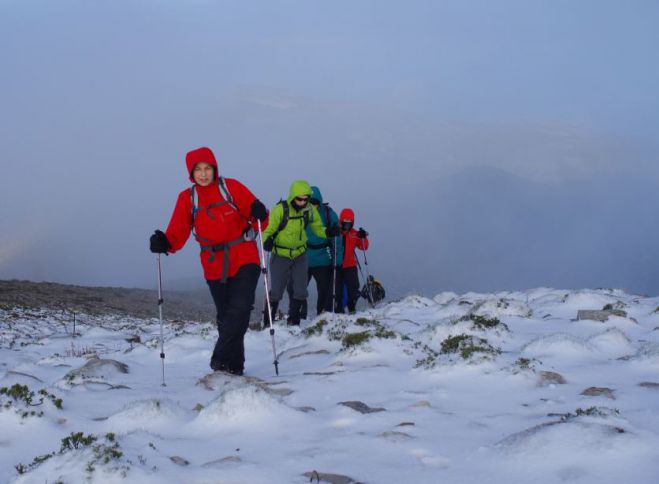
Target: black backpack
x: 373, y: 290
x: 286, y: 217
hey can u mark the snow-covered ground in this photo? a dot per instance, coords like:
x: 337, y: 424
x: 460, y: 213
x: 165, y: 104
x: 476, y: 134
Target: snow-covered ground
x: 418, y: 390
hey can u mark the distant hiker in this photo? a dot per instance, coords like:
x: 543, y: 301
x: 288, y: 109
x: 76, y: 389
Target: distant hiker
x: 352, y: 239
x: 286, y: 237
x: 220, y: 213
x: 321, y: 254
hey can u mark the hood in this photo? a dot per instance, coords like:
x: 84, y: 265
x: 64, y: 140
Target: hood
x: 347, y: 214
x: 200, y: 155
x: 299, y: 188
x: 315, y: 193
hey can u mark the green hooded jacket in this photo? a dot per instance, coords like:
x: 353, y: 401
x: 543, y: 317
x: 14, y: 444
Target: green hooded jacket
x: 291, y: 242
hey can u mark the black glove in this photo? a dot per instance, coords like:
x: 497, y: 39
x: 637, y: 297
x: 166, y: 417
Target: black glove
x: 361, y: 233
x: 258, y: 210
x: 159, y: 243
x: 332, y: 231
x: 268, y: 244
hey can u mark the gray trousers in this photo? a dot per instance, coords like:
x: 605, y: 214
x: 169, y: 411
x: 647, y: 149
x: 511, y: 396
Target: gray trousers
x: 283, y: 269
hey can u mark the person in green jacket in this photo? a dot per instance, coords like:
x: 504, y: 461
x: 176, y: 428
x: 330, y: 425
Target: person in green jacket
x: 286, y: 238
x: 321, y: 254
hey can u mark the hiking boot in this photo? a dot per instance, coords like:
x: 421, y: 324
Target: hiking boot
x: 226, y: 369
x: 294, y: 312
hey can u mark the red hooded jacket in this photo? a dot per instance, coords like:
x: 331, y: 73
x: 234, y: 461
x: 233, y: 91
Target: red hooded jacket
x: 214, y: 225
x: 350, y: 239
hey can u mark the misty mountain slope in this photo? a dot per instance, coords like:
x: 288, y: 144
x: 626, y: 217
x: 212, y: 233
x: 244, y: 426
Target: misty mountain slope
x: 120, y: 301
x: 484, y: 229
x: 505, y: 385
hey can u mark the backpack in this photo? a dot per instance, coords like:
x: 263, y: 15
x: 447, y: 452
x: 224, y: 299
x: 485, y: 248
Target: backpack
x: 223, y: 247
x: 224, y: 191
x: 373, y: 291
x: 286, y: 216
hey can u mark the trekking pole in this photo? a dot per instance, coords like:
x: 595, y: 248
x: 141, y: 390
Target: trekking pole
x: 162, y: 342
x: 264, y: 270
x: 361, y: 275
x: 334, y: 281
x: 369, y: 287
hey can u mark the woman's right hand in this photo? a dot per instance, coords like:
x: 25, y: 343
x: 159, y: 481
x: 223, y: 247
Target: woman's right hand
x: 158, y: 243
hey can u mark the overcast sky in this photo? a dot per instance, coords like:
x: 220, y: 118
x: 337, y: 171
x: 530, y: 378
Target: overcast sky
x: 432, y: 119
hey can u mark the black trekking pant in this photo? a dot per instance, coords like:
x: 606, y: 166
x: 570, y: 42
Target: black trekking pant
x: 349, y: 278
x: 323, y: 277
x: 234, y: 301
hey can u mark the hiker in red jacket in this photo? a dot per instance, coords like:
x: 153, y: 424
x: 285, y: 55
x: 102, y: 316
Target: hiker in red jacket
x: 220, y: 213
x: 352, y: 239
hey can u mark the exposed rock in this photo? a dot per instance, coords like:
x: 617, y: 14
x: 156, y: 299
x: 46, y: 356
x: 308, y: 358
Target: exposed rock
x: 406, y: 424
x: 306, y: 409
x: 19, y: 376
x: 598, y: 392
x: 321, y: 373
x: 97, y: 367
x: 198, y: 408
x: 361, y: 407
x: 315, y: 476
x: 521, y: 439
x: 282, y: 392
x: 225, y: 460
x: 599, y: 314
x: 219, y: 379
x: 396, y: 436
x: 309, y: 353
x: 92, y: 384
x: 180, y: 461
x: 272, y: 383
x: 134, y: 339
x: 649, y: 384
x: 496, y: 307
x: 551, y: 378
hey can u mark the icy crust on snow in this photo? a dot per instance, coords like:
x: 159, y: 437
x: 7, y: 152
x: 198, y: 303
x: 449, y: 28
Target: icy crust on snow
x: 451, y: 388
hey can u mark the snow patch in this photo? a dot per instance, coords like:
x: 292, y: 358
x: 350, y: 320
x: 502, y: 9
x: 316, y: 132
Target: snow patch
x: 151, y: 415
x: 560, y: 345
x: 612, y: 342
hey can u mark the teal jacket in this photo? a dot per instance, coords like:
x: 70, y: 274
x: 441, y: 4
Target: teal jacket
x: 321, y: 250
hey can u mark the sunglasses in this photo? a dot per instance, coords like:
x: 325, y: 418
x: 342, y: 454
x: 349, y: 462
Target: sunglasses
x: 302, y: 199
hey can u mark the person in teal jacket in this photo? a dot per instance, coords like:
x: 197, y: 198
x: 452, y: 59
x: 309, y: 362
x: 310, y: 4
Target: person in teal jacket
x: 286, y: 237
x: 322, y: 256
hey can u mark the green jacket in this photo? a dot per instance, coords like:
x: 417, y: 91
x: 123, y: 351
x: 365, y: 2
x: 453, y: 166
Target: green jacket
x: 291, y: 242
